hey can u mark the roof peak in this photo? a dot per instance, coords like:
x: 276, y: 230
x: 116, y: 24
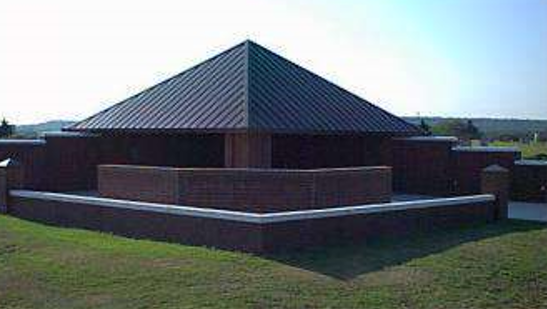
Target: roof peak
x: 247, y: 87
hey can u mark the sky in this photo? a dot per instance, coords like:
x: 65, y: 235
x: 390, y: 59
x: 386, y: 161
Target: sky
x: 462, y: 58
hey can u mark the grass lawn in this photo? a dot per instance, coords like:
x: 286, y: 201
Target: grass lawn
x: 528, y: 150
x: 494, y: 266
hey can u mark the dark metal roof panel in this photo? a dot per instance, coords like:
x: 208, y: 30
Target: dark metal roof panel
x: 247, y: 87
x: 285, y: 96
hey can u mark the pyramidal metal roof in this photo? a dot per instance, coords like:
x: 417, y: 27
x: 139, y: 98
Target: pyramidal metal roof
x: 246, y: 87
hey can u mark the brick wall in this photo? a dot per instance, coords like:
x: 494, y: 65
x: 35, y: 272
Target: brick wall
x: 221, y: 234
x: 467, y: 166
x: 422, y: 166
x: 529, y: 182
x: 433, y: 166
x: 71, y: 163
x: 326, y: 151
x: 360, y: 228
x: 250, y: 237
x: 257, y: 190
x: 31, y: 155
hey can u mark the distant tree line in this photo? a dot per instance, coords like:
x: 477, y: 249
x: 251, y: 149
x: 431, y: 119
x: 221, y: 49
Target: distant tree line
x: 464, y: 130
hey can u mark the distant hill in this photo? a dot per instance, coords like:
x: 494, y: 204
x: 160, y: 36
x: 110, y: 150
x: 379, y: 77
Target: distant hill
x: 34, y: 130
x: 492, y: 126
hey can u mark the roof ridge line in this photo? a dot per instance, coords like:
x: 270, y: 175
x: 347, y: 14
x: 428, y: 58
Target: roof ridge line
x: 246, y: 84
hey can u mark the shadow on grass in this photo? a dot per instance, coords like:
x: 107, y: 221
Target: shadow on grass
x: 350, y: 261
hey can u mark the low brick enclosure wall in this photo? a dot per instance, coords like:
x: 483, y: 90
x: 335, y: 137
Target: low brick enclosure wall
x: 529, y: 181
x: 254, y: 190
x: 435, y: 166
x: 468, y: 162
x: 422, y: 165
x: 251, y: 232
x: 31, y: 155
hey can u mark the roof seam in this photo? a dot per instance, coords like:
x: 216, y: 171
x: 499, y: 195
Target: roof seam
x: 246, y: 85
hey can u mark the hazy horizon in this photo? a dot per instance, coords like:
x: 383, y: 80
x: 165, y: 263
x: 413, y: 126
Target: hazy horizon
x: 455, y: 58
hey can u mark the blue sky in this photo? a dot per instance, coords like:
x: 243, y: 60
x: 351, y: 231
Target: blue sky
x: 482, y: 58
x: 499, y: 48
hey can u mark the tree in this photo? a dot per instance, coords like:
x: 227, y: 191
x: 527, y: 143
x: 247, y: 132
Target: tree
x: 472, y: 131
x: 465, y: 131
x: 425, y: 127
x: 6, y: 129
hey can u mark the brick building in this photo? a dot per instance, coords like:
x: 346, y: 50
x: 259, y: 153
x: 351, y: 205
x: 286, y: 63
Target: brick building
x: 246, y: 107
x: 246, y: 150
x: 251, y: 108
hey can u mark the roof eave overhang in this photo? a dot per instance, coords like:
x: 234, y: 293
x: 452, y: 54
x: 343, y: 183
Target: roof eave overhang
x: 242, y: 130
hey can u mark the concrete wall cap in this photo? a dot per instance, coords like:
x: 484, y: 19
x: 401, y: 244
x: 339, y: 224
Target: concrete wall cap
x: 24, y: 142
x: 246, y: 169
x: 443, y: 139
x: 495, y: 168
x: 531, y: 162
x: 257, y: 218
x: 485, y: 149
x: 68, y: 134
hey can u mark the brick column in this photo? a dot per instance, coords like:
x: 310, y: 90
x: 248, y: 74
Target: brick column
x: 11, y: 177
x: 247, y: 150
x: 495, y: 180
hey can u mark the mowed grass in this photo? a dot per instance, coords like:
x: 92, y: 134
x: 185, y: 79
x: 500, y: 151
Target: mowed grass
x: 529, y: 150
x: 500, y: 265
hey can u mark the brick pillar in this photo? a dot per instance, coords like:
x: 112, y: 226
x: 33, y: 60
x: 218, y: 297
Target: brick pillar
x: 11, y: 177
x: 495, y: 180
x: 247, y: 150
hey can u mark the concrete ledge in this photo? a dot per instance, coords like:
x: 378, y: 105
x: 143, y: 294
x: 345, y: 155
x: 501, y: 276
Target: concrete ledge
x: 531, y: 162
x: 485, y: 149
x: 443, y: 139
x: 249, y: 217
x: 23, y: 142
x: 68, y: 134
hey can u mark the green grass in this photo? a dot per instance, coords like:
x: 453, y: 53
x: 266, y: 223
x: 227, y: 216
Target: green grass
x: 493, y: 266
x: 528, y: 150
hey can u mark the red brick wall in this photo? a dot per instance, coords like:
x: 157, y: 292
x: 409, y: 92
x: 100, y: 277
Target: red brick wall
x: 422, y: 167
x: 435, y: 168
x: 326, y: 151
x: 529, y: 183
x: 176, y: 150
x: 250, y: 237
x: 151, y: 184
x: 294, y: 235
x: 32, y: 157
x: 221, y: 234
x: 247, y: 150
x: 257, y: 190
x: 71, y: 163
x: 467, y: 167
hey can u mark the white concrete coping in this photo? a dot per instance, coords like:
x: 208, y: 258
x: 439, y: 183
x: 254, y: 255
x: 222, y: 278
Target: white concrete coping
x: 531, y: 162
x: 248, y: 169
x: 67, y: 134
x: 430, y: 139
x: 495, y: 169
x: 29, y: 142
x: 249, y: 217
x: 485, y: 149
